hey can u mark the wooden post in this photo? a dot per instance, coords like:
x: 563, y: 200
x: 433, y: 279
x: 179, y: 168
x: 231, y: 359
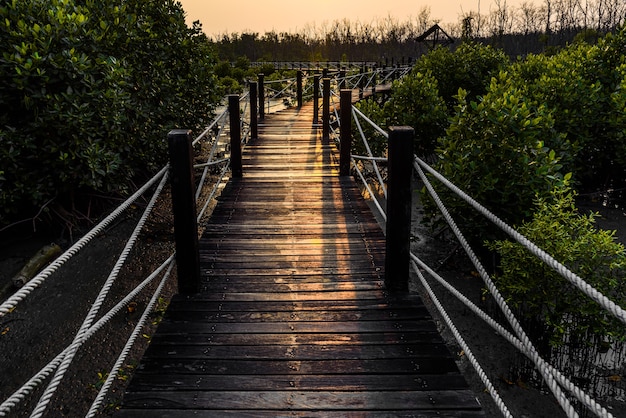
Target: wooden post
x: 261, y: 92
x: 345, y: 103
x: 254, y: 122
x: 361, y: 81
x: 299, y: 88
x: 184, y: 208
x: 397, y: 256
x: 316, y: 102
x: 235, y: 135
x: 326, y: 110
x: 342, y: 79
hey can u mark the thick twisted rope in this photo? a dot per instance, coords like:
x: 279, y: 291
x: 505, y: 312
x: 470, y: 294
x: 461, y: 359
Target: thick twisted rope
x: 214, y: 190
x: 552, y: 384
x: 95, y: 307
x: 468, y: 352
x: 36, y: 380
x: 563, y: 380
x: 369, y: 190
x: 104, y: 390
x: 369, y: 151
x: 576, y: 280
x: 23, y: 292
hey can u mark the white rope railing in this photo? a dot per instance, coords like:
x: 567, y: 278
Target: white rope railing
x: 573, y: 278
x: 555, y: 380
x: 95, y: 307
x: 381, y: 211
x: 102, y: 393
x: 521, y: 334
x: 60, y: 364
x: 10, y: 304
x: 369, y: 152
x: 36, y: 380
x: 516, y: 342
x: 466, y: 349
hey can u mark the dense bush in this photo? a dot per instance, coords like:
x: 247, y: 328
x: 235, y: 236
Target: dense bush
x: 416, y: 102
x: 541, y: 296
x: 376, y: 141
x: 580, y: 84
x: 503, y: 151
x: 88, y: 92
x: 469, y: 67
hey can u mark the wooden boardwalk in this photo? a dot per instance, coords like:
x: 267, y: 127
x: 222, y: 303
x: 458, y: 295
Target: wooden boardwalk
x: 293, y: 318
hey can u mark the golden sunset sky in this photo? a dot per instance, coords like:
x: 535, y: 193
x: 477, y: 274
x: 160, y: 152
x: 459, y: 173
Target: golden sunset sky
x: 230, y: 16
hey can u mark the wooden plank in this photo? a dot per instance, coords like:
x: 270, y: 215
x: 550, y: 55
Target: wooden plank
x: 200, y: 367
x: 392, y: 302
x: 432, y: 351
x: 293, y: 318
x: 348, y: 382
x: 308, y: 400
x: 177, y: 413
x: 387, y: 337
x: 294, y: 327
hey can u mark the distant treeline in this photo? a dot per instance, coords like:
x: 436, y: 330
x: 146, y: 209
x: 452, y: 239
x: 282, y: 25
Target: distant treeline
x: 518, y: 31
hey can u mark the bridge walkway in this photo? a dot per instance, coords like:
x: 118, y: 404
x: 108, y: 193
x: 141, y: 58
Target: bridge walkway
x: 293, y: 318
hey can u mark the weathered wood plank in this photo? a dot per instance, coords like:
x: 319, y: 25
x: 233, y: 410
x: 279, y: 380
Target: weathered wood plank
x: 388, y: 337
x: 431, y: 351
x: 200, y: 302
x: 348, y: 382
x: 177, y: 413
x: 293, y: 318
x: 294, y: 327
x: 224, y: 367
x: 307, y: 400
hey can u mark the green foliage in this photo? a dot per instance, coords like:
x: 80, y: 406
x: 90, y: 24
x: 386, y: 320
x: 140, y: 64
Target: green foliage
x: 376, y: 141
x: 229, y: 85
x: 469, y: 67
x: 266, y: 69
x: 503, y: 151
x: 415, y: 102
x: 580, y: 84
x: 540, y: 294
x: 223, y: 69
x: 89, y: 90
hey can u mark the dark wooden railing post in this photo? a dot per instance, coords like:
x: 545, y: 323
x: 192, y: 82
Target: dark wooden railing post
x: 261, y: 83
x: 361, y: 81
x: 374, y: 83
x: 326, y: 109
x: 342, y: 79
x: 235, y: 135
x: 397, y: 256
x: 254, y: 122
x: 345, y: 103
x: 299, y: 87
x: 184, y: 209
x: 316, y: 99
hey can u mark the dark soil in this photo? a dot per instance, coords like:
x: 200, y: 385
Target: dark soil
x: 43, y: 324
